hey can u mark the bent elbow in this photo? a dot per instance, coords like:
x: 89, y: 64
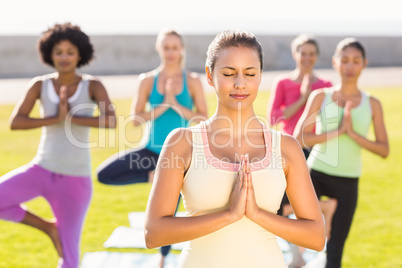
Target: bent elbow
x: 150, y: 241
x: 320, y: 244
x: 385, y: 154
x: 14, y: 125
x: 137, y: 121
x: 318, y: 240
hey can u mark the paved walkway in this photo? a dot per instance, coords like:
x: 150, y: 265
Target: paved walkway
x: 124, y: 86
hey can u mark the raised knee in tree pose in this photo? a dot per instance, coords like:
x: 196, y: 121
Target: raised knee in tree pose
x: 61, y: 169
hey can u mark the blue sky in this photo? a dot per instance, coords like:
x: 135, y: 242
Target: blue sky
x: 356, y: 17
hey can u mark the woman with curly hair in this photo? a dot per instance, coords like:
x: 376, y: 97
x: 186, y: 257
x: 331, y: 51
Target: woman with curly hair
x: 60, y: 172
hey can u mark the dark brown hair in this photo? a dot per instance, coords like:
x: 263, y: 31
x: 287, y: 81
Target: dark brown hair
x: 69, y: 32
x: 350, y: 42
x: 232, y: 38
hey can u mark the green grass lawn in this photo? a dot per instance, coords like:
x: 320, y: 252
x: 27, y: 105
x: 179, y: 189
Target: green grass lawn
x: 375, y: 239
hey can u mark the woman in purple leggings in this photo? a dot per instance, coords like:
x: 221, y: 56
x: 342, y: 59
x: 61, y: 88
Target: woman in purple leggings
x: 60, y: 171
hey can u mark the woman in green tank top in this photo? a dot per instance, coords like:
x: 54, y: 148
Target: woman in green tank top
x: 342, y: 116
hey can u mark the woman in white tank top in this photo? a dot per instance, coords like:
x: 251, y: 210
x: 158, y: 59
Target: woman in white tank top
x: 61, y: 169
x: 232, y: 172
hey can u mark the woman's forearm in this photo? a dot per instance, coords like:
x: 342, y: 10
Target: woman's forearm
x: 26, y: 122
x: 379, y: 148
x: 103, y: 121
x: 141, y: 118
x: 171, y: 230
x: 293, y: 108
x: 303, y: 232
x: 308, y: 140
x: 189, y: 114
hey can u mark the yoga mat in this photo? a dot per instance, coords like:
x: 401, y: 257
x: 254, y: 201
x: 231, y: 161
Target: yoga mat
x: 127, y: 237
x: 133, y: 237
x: 105, y: 259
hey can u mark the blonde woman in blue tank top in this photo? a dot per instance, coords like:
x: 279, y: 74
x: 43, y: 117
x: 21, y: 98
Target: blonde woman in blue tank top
x: 343, y: 115
x: 232, y: 171
x: 175, y: 99
x: 61, y: 169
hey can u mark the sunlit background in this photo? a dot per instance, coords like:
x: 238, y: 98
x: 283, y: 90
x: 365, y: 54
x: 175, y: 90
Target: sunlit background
x: 356, y: 17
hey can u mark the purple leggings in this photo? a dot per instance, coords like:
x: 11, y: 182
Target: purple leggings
x: 68, y: 196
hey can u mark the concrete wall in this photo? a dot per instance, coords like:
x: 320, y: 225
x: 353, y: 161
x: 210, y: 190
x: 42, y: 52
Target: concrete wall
x: 119, y: 55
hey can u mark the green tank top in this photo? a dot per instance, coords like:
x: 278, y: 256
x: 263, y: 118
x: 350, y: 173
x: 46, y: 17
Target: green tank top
x: 340, y: 156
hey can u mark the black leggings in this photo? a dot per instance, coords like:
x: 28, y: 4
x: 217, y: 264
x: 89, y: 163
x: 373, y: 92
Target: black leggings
x: 345, y: 191
x: 129, y: 167
x: 132, y: 166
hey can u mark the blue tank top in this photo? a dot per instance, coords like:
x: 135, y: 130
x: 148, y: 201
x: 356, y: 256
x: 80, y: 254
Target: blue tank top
x: 161, y: 127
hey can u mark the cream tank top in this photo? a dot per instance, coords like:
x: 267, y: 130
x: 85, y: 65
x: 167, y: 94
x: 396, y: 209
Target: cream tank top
x: 207, y: 186
x: 64, y: 147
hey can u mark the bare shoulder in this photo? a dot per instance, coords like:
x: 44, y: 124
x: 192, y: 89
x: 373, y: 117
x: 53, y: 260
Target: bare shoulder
x: 146, y: 80
x: 192, y: 75
x: 291, y: 151
x: 193, y: 78
x: 376, y: 108
x: 316, y: 97
x: 279, y: 82
x: 319, y: 93
x: 179, y: 139
x: 148, y: 76
x: 289, y: 145
x: 96, y: 88
x: 35, y: 85
x: 375, y: 103
x: 179, y: 143
x: 36, y: 82
x: 94, y: 81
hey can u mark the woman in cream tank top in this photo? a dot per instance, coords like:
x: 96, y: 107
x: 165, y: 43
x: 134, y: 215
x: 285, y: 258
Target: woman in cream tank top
x: 232, y: 173
x: 207, y: 187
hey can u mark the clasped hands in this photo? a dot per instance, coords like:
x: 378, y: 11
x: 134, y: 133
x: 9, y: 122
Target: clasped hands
x: 242, y: 199
x: 170, y: 94
x: 346, y: 126
x: 63, y: 105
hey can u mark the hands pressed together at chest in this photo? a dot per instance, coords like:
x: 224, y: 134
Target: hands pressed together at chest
x: 242, y: 199
x: 346, y: 126
x: 63, y: 105
x: 170, y: 92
